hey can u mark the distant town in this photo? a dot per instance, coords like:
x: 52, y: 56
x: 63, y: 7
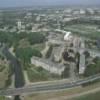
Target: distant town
x: 39, y: 45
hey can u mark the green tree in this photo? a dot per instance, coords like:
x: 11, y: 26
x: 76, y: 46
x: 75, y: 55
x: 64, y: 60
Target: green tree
x: 87, y: 54
x: 36, y: 38
x: 93, y: 69
x: 25, y: 54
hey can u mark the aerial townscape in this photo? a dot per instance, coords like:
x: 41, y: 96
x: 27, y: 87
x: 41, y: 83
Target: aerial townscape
x: 50, y: 53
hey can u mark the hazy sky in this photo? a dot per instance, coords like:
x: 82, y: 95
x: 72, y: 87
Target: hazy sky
x: 14, y: 3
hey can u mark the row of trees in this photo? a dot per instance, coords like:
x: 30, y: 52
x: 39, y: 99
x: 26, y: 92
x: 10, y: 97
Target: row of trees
x: 83, y: 21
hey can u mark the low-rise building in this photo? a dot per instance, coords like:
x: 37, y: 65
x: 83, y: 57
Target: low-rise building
x: 82, y: 64
x: 48, y: 65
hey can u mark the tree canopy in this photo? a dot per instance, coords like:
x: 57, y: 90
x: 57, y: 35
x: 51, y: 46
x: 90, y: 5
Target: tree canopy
x: 93, y: 69
x: 36, y: 38
x: 25, y: 54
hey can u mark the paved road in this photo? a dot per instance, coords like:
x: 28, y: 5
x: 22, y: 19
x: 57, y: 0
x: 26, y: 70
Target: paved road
x: 15, y: 67
x: 38, y: 88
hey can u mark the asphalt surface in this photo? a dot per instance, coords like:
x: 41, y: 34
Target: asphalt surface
x: 15, y: 67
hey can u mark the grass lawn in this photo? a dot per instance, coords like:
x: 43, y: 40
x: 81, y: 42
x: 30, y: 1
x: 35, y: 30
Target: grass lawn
x: 36, y: 74
x: 4, y: 73
x: 3, y: 77
x: 82, y: 30
x: 94, y: 96
x: 2, y: 98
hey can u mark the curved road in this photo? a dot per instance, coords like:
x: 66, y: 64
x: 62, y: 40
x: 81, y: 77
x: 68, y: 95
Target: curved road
x: 38, y: 88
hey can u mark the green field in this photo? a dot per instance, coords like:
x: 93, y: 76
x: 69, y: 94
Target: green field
x: 2, y: 98
x: 94, y: 96
x: 36, y: 74
x: 84, y: 30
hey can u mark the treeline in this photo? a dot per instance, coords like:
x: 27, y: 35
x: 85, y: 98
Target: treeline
x: 83, y: 21
x: 14, y: 38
